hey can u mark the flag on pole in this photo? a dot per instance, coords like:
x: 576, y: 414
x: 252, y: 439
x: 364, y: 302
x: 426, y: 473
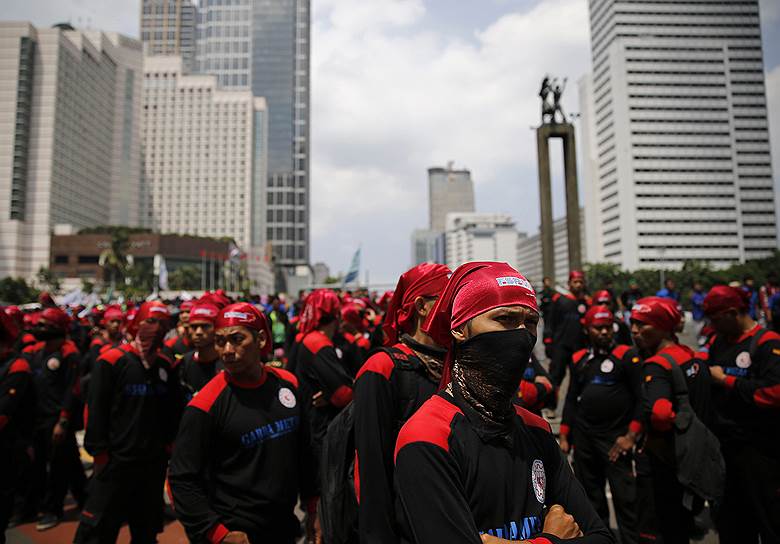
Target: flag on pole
x: 354, y: 268
x: 162, y: 277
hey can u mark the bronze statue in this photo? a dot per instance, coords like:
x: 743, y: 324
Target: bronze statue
x: 550, y: 107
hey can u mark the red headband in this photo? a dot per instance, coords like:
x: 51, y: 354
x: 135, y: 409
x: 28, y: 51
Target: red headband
x: 111, y: 313
x: 351, y: 312
x: 722, y: 298
x: 320, y: 303
x: 243, y: 314
x: 56, y: 317
x: 598, y: 315
x: 186, y: 306
x: 661, y: 313
x: 424, y: 280
x: 148, y: 310
x: 602, y: 296
x: 576, y: 275
x: 203, y: 312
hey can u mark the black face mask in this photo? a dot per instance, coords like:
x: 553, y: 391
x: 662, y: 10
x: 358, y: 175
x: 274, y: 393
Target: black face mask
x: 45, y: 334
x: 487, y: 372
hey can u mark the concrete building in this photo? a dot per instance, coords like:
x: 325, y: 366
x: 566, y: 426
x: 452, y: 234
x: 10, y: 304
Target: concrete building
x: 480, y: 237
x: 168, y: 28
x: 204, y: 157
x: 529, y: 253
x: 69, y: 136
x: 264, y: 46
x: 676, y: 147
x: 449, y: 191
x: 428, y: 247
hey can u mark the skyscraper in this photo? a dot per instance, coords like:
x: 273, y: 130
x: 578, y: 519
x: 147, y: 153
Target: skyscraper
x: 449, y: 190
x: 168, y: 28
x: 264, y: 45
x: 69, y: 154
x: 677, y: 156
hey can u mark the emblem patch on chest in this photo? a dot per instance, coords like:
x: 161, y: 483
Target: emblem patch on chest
x: 287, y: 398
x: 582, y: 309
x: 744, y: 360
x: 163, y: 374
x: 607, y: 366
x: 53, y: 364
x: 538, y: 479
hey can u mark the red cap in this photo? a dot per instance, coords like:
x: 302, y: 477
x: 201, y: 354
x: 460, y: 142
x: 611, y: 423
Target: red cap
x: 320, y: 303
x: 598, y: 315
x: 384, y: 300
x: 56, y: 317
x: 147, y: 310
x: 602, y: 297
x: 186, y: 306
x: 722, y: 298
x: 220, y: 301
x: 661, y: 313
x: 243, y: 314
x: 9, y: 329
x: 203, y: 312
x: 113, y: 312
x: 424, y: 280
x: 15, y: 314
x: 576, y: 275
x: 352, y: 312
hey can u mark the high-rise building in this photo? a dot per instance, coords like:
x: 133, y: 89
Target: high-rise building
x: 204, y: 157
x: 168, y: 28
x: 264, y: 45
x: 428, y: 247
x: 69, y: 150
x: 449, y: 191
x: 529, y: 253
x: 677, y: 156
x: 480, y: 237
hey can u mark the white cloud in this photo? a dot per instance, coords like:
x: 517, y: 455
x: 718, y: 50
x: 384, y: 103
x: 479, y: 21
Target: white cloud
x: 392, y: 98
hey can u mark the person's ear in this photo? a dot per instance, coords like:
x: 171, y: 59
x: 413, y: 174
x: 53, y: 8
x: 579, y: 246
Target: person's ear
x: 422, y: 307
x: 460, y: 334
x: 261, y: 340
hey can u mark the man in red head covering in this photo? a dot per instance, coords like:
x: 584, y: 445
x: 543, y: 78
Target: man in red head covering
x: 468, y: 462
x: 181, y: 343
x: 744, y: 361
x: 654, y: 325
x: 133, y: 410
x: 199, y: 366
x: 563, y: 329
x: 352, y: 339
x: 602, y: 418
x: 390, y: 387
x: 243, y: 455
x: 54, y: 361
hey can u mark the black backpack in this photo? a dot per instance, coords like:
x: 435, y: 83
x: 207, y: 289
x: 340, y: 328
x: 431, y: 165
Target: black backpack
x: 338, y: 504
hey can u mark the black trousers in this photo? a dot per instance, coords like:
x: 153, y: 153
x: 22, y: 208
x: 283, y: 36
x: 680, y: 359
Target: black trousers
x: 593, y: 469
x: 9, y: 479
x: 751, y: 503
x: 674, y: 518
x: 559, y: 362
x: 124, y: 492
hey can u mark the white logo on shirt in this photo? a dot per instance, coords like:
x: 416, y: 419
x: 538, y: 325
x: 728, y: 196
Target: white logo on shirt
x: 287, y: 398
x: 53, y: 364
x: 163, y: 374
x: 538, y: 479
x: 744, y: 360
x: 607, y: 366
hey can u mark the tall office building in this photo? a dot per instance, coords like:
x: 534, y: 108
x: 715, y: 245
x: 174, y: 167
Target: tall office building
x: 264, y: 45
x: 529, y: 253
x: 168, y: 28
x: 204, y: 157
x: 69, y: 136
x: 480, y: 237
x: 449, y: 190
x: 677, y: 156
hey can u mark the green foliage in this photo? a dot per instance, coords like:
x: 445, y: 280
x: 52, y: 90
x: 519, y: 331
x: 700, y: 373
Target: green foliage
x: 17, y: 291
x: 139, y: 280
x: 48, y: 280
x: 120, y: 230
x: 330, y: 280
x: 185, y: 277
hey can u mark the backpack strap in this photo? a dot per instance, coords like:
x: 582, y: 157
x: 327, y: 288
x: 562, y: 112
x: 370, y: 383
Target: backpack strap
x: 682, y: 403
x: 754, y: 342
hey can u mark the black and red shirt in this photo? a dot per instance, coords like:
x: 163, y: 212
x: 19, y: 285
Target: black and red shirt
x: 534, y: 395
x: 196, y: 373
x: 17, y: 402
x: 747, y: 408
x: 179, y: 345
x: 241, y: 459
x: 604, y: 395
x: 355, y: 349
x: 389, y: 388
x: 55, y: 378
x: 454, y: 482
x: 563, y: 328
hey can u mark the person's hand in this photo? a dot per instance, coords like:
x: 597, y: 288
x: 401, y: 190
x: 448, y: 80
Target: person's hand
x: 718, y: 376
x: 544, y: 381
x: 558, y: 523
x: 622, y: 446
x: 236, y: 537
x: 58, y: 433
x: 488, y: 539
x: 318, y: 400
x: 564, y: 442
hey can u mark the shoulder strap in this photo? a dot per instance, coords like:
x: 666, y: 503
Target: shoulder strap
x: 682, y: 403
x: 754, y: 342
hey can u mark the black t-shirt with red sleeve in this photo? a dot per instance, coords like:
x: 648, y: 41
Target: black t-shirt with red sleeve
x: 17, y: 402
x: 196, y: 373
x: 455, y: 481
x: 241, y: 458
x: 55, y: 378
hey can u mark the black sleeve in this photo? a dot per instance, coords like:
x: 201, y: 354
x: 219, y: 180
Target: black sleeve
x: 762, y: 391
x: 72, y: 400
x: 432, y: 503
x: 13, y: 390
x: 569, y: 417
x: 657, y: 397
x: 101, y: 390
x: 375, y: 434
x: 187, y: 475
x: 634, y: 375
x: 332, y: 377
x: 308, y: 464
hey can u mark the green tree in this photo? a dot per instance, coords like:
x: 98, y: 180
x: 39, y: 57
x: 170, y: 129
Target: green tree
x: 47, y: 279
x: 185, y: 277
x: 17, y: 291
x: 139, y: 280
x: 114, y: 258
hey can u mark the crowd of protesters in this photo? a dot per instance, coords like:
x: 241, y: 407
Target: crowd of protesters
x: 415, y: 415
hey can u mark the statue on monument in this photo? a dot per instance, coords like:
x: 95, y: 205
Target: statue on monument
x: 551, y: 93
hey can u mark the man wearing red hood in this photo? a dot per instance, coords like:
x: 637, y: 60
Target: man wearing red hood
x: 352, y: 339
x: 133, y: 410
x: 243, y: 454
x: 654, y: 324
x: 470, y: 465
x: 181, y: 343
x: 563, y: 330
x: 198, y: 367
x: 744, y: 361
x: 391, y: 386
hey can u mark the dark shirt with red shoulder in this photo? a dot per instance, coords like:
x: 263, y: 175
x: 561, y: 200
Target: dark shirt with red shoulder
x: 563, y: 328
x: 55, y: 378
x: 17, y: 402
x: 534, y: 395
x: 241, y: 459
x: 196, y: 373
x: 354, y: 349
x: 179, y: 345
x: 455, y: 480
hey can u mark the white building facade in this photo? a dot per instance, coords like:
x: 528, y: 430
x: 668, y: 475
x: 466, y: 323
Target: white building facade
x: 675, y: 135
x: 529, y: 253
x: 69, y: 137
x: 480, y: 237
x: 204, y: 159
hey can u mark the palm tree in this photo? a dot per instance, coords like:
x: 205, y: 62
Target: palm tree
x: 114, y: 259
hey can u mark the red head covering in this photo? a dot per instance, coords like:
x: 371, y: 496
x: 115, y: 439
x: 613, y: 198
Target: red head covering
x: 424, y: 280
x: 598, y: 315
x: 186, y: 305
x: 203, y: 312
x: 15, y: 314
x: 576, y: 275
x: 220, y: 301
x: 9, y: 329
x: 320, y: 303
x: 147, y: 310
x: 352, y: 313
x: 473, y: 289
x: 113, y: 312
x: 722, y: 298
x: 56, y: 318
x: 602, y: 297
x: 661, y: 313
x: 45, y: 299
x: 243, y: 314
x: 384, y: 300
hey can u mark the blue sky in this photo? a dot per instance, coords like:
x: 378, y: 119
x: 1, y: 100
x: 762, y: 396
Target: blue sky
x: 401, y: 85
